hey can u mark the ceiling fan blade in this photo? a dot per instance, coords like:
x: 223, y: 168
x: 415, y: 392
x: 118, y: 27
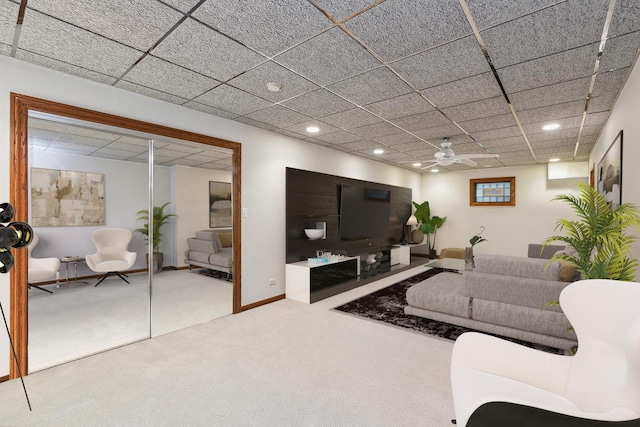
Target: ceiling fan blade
x: 477, y: 156
x: 430, y: 166
x: 468, y: 162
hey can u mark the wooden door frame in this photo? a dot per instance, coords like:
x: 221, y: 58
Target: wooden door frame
x: 19, y: 187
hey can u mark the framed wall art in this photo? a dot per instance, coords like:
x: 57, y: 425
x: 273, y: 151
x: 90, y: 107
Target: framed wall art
x: 61, y: 198
x: 610, y: 173
x: 220, y: 215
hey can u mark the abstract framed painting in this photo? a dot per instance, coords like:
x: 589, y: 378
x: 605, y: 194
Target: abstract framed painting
x: 610, y: 173
x: 62, y: 198
x: 220, y: 215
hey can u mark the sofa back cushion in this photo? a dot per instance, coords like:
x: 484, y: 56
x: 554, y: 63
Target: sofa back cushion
x: 535, y: 250
x: 532, y: 268
x: 210, y: 236
x: 200, y: 245
x: 525, y: 292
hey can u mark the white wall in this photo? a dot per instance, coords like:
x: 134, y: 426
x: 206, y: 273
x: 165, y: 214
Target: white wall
x: 265, y: 156
x: 625, y: 116
x: 509, y: 229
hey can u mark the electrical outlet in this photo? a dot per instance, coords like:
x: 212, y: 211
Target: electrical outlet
x: 272, y: 281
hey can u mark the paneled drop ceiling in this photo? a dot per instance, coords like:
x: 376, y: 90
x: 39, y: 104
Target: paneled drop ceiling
x: 399, y: 75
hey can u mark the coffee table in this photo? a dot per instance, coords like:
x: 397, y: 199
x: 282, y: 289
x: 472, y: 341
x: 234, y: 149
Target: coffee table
x: 448, y: 264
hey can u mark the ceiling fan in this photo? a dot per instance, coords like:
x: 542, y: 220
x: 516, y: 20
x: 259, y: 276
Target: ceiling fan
x: 446, y: 156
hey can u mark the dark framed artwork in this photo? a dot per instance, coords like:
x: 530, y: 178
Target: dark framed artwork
x: 220, y: 215
x: 492, y: 191
x: 610, y: 173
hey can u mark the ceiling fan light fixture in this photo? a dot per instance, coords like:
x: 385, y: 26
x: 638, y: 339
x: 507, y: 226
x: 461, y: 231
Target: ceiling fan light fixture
x: 551, y: 126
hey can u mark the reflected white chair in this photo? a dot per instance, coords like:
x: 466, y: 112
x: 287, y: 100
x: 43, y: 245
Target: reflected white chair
x: 498, y: 383
x: 40, y: 268
x: 112, y: 256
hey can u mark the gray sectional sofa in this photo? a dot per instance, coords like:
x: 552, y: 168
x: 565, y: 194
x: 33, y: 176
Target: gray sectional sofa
x: 212, y: 250
x: 503, y: 295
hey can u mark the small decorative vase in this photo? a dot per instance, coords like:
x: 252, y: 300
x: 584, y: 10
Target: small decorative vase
x: 417, y: 236
x: 469, y: 263
x: 432, y: 254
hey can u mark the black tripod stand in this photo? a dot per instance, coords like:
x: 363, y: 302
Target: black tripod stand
x: 15, y: 357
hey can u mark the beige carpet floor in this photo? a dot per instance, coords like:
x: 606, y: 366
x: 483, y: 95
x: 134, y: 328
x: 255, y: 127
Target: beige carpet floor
x: 79, y: 319
x: 283, y: 364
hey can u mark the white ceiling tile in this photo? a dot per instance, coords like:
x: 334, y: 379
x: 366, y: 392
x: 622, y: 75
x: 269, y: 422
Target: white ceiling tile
x: 400, y: 106
x: 233, y: 100
x: 330, y: 57
x: 152, y: 93
x: 341, y: 9
x: 111, y: 19
x: 192, y: 41
x: 264, y: 25
x: 395, y: 29
x: 560, y: 67
x: 8, y: 19
x: 67, y: 43
x: 453, y: 61
x: 566, y: 25
x: 318, y: 103
x: 469, y: 89
x: 161, y: 75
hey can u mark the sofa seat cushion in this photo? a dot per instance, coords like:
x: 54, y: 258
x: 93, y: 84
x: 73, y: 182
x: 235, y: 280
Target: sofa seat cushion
x: 513, y: 290
x: 223, y: 258
x: 443, y: 292
x: 545, y: 322
x: 528, y: 268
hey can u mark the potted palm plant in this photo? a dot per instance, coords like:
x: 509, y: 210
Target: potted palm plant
x: 428, y: 225
x: 160, y: 218
x: 598, y: 237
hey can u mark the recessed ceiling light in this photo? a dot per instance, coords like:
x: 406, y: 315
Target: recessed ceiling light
x: 417, y: 164
x: 313, y: 129
x: 554, y: 160
x: 435, y: 170
x: 274, y: 87
x: 378, y: 151
x: 551, y: 126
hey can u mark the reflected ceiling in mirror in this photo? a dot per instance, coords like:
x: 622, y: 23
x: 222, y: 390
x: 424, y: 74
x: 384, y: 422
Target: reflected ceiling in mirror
x: 61, y: 135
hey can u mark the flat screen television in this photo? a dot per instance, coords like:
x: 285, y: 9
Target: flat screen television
x: 364, y: 212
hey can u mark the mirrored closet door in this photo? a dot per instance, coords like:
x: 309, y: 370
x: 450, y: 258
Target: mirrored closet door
x: 91, y: 186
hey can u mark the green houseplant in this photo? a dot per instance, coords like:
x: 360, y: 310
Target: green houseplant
x: 160, y: 218
x: 599, y: 236
x: 429, y: 225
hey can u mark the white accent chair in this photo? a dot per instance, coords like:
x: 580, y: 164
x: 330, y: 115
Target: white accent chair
x: 498, y: 383
x: 112, y: 256
x: 40, y: 268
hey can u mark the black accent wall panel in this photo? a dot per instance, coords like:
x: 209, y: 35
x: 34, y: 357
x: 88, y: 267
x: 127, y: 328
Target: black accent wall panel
x: 315, y: 197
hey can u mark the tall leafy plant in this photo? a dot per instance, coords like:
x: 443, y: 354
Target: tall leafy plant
x: 160, y: 218
x: 599, y: 236
x: 428, y: 224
